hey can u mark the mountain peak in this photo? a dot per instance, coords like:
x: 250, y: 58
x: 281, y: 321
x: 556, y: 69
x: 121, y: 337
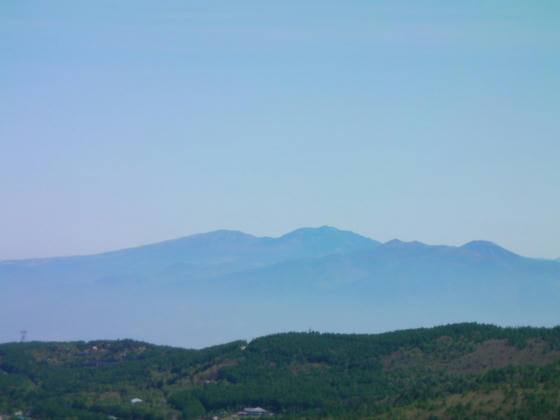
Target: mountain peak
x: 397, y: 243
x: 487, y: 248
x: 321, y: 230
x: 328, y: 238
x: 226, y: 234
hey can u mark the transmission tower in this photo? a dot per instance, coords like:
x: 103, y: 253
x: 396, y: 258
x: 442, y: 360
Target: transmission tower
x: 23, y: 334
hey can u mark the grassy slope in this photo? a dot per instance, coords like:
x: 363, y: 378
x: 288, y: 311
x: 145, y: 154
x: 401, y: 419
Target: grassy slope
x: 453, y: 371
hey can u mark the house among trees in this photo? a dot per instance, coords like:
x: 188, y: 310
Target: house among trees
x: 254, y: 412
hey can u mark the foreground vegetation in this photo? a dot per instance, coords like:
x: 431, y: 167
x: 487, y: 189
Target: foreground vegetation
x: 454, y: 371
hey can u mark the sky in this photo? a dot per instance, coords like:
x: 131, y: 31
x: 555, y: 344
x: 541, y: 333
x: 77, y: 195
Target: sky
x: 130, y: 122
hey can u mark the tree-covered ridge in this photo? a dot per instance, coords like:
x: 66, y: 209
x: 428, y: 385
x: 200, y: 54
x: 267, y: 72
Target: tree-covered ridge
x: 442, y: 371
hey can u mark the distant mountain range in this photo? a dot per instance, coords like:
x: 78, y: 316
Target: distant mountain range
x: 208, y: 288
x: 188, y: 259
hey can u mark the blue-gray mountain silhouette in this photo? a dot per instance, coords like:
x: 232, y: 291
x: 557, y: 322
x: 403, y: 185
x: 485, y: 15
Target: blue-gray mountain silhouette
x: 191, y: 258
x: 208, y: 288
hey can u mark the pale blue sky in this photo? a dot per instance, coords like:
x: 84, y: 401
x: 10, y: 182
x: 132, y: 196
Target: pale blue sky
x: 130, y: 122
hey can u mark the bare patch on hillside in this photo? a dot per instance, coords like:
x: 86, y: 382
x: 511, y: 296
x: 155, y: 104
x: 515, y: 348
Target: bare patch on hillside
x: 211, y: 374
x: 494, y: 354
x: 490, y: 354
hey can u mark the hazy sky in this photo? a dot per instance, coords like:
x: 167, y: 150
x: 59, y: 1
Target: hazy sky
x: 130, y: 122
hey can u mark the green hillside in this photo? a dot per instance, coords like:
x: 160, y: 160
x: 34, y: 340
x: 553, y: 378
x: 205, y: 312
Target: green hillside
x: 453, y: 371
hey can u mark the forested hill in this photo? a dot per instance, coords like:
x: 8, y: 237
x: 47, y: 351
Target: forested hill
x: 453, y: 371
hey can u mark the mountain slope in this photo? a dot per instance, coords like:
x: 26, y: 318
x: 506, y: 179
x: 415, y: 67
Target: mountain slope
x: 404, y: 267
x: 402, y: 284
x: 187, y: 259
x: 215, y: 287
